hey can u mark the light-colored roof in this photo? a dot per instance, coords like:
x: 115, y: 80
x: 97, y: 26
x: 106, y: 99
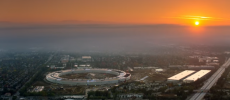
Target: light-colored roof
x: 86, y: 57
x: 144, y: 78
x: 181, y: 75
x: 197, y: 75
x: 159, y: 69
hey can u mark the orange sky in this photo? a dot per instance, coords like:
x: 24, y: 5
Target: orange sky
x: 117, y: 11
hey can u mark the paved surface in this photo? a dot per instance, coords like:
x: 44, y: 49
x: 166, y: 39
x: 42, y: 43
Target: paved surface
x: 210, y: 82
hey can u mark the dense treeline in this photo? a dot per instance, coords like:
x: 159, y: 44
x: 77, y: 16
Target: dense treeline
x: 99, y: 95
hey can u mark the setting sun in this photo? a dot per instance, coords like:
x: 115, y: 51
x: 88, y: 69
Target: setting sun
x: 197, y: 23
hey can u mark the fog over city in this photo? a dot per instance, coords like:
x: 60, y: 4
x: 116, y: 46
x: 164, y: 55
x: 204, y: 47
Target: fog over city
x: 108, y: 37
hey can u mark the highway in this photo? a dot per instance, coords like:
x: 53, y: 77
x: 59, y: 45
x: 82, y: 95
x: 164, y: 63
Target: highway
x: 210, y: 82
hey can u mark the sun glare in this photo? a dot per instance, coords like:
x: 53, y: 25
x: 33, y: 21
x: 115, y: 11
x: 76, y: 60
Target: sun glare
x: 197, y: 23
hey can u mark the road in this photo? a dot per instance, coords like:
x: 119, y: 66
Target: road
x: 17, y: 93
x: 51, y: 57
x: 210, y: 82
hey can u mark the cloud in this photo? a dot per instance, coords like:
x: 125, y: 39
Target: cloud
x: 199, y: 18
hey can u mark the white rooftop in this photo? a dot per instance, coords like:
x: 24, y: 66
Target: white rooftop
x: 181, y: 75
x: 86, y: 57
x: 197, y: 75
x: 144, y: 78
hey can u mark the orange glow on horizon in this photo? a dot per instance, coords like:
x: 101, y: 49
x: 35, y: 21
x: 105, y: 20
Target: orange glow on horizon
x: 181, y: 12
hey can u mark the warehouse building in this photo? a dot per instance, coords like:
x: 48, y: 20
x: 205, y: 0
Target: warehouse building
x: 159, y: 70
x: 86, y: 58
x: 180, y: 76
x: 196, y: 76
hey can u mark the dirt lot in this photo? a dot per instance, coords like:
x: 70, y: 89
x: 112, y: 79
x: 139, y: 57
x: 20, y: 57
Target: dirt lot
x: 73, y: 76
x: 152, y: 75
x: 88, y: 76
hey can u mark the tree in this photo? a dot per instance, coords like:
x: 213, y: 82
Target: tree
x: 14, y: 97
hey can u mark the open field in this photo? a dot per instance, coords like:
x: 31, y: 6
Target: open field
x: 40, y: 83
x: 88, y: 76
x: 152, y: 75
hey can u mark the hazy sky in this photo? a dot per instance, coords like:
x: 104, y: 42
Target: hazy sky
x: 183, y: 12
x: 112, y: 24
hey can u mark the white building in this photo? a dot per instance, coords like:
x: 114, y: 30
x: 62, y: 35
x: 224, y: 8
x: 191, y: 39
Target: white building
x: 84, y: 66
x: 180, y: 76
x: 159, y: 70
x: 38, y: 89
x: 196, y: 76
x: 216, y: 61
x: 86, y: 58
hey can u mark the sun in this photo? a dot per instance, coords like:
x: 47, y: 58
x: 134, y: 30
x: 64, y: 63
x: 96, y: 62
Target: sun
x: 197, y: 23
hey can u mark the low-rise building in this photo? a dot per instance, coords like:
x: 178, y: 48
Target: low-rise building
x: 196, y: 76
x: 131, y: 95
x: 38, y: 89
x: 159, y: 70
x: 180, y: 76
